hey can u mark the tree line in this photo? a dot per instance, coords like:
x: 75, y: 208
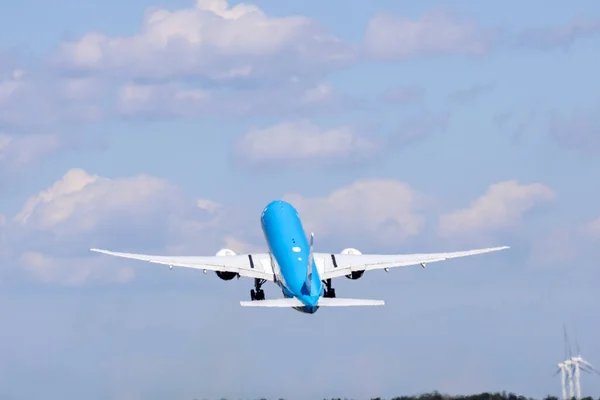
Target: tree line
x: 480, y: 396
x: 439, y: 396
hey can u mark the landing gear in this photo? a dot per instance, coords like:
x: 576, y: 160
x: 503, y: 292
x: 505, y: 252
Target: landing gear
x: 329, y: 291
x: 257, y: 293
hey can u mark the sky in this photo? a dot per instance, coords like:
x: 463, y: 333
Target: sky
x: 393, y: 127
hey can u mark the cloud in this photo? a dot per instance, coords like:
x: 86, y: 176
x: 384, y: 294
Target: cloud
x: 553, y: 248
x: 593, y: 228
x: 301, y: 141
x: 502, y: 206
x: 389, y: 209
x: 180, y: 99
x: 438, y: 32
x: 468, y: 95
x: 562, y: 36
x: 515, y: 124
x: 162, y: 99
x: 16, y: 151
x: 52, y: 234
x: 418, y: 128
x: 579, y: 132
x: 403, y: 94
x: 212, y: 40
x: 53, y: 100
x: 566, y: 244
x: 71, y: 271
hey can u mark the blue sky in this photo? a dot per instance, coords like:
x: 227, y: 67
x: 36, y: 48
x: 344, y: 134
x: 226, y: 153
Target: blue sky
x: 392, y: 126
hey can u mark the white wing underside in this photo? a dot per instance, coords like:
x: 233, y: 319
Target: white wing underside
x: 336, y: 265
x: 258, y: 265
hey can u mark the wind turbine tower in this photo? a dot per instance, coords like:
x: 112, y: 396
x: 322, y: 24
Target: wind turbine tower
x: 566, y: 369
x: 563, y: 371
x: 571, y: 369
x: 580, y: 364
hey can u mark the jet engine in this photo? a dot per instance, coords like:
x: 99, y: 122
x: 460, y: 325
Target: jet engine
x: 355, y: 274
x: 226, y: 276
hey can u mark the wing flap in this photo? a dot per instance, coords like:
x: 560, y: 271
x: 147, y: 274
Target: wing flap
x: 248, y: 265
x: 347, y: 263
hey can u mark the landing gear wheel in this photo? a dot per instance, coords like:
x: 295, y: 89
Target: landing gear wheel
x: 329, y: 291
x: 257, y: 293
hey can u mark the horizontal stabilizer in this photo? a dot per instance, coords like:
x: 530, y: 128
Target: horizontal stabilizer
x: 288, y: 302
x: 323, y: 302
x: 341, y: 302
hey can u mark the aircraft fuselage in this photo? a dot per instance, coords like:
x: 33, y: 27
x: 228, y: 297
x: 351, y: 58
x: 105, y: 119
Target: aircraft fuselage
x: 289, y: 249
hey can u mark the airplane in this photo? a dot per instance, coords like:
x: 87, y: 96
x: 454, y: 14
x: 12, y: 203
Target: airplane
x: 304, y: 276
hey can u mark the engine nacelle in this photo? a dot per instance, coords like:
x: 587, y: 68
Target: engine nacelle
x: 226, y: 276
x: 355, y: 274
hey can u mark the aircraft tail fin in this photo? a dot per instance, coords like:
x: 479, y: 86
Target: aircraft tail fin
x: 309, y: 271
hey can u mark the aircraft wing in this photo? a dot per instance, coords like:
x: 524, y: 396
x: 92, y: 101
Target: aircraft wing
x: 256, y: 265
x: 336, y: 265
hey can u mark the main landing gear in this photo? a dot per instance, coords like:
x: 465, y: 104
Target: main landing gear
x: 257, y: 293
x: 329, y: 291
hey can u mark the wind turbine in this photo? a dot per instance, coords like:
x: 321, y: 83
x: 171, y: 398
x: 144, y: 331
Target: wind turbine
x: 566, y: 368
x: 580, y: 364
x: 562, y: 368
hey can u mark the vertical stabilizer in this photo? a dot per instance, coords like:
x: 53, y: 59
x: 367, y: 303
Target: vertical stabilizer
x: 308, y: 281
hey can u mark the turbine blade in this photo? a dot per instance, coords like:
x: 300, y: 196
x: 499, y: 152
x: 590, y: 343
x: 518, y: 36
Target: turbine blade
x: 576, y: 341
x: 567, y: 345
x: 591, y: 369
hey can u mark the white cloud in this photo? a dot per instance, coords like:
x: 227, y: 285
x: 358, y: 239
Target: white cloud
x: 385, y: 208
x: 501, y: 206
x: 209, y: 39
x: 593, y: 228
x: 555, y: 247
x: 187, y: 100
x: 9, y: 86
x: 418, y: 128
x: 171, y: 99
x: 561, y: 36
x: 79, y: 201
x: 227, y: 44
x: 437, y: 32
x: 39, y: 99
x: 71, y: 270
x: 403, y: 94
x: 566, y: 244
x: 52, y: 234
x: 579, y: 131
x: 300, y: 141
x: 24, y: 149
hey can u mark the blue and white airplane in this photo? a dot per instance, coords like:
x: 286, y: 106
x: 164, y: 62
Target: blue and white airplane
x: 303, y: 275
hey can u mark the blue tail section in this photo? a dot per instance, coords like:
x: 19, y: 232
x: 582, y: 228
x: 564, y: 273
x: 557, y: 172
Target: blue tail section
x: 308, y: 283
